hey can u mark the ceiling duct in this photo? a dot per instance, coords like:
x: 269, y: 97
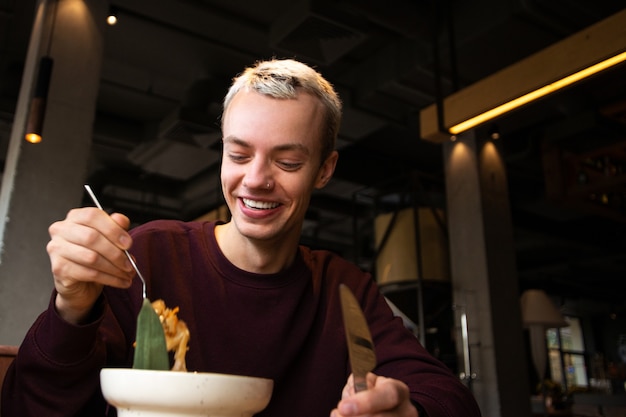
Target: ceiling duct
x: 192, y: 126
x: 307, y: 30
x: 184, y: 144
x: 196, y: 120
x: 171, y: 159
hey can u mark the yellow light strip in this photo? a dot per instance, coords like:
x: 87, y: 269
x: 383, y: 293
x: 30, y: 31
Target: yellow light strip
x: 534, y: 95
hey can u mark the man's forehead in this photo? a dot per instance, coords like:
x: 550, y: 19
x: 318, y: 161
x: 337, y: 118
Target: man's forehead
x: 252, y: 114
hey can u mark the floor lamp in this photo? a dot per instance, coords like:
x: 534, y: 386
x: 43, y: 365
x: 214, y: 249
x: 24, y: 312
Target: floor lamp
x: 538, y: 315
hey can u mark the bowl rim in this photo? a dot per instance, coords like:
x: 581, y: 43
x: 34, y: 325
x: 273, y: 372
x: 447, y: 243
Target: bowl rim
x: 187, y: 374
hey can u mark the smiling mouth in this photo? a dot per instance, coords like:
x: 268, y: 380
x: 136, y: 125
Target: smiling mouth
x: 259, y: 205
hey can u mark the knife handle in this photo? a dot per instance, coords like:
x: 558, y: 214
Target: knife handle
x: 360, y: 384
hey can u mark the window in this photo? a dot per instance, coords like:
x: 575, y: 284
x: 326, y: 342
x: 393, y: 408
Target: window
x: 566, y: 352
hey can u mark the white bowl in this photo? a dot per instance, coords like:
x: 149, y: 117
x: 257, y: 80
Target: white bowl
x: 146, y: 393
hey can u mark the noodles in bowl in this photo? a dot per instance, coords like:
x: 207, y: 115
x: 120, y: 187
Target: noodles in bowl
x: 150, y: 389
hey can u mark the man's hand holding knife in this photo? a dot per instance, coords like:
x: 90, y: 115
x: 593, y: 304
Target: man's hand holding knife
x: 367, y: 394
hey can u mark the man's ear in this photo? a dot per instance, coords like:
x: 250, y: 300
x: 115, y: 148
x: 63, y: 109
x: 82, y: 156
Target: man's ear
x: 326, y: 170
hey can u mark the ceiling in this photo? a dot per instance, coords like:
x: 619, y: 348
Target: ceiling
x: 167, y: 64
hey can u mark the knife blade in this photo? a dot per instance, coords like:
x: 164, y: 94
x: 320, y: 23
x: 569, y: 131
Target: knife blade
x: 358, y: 337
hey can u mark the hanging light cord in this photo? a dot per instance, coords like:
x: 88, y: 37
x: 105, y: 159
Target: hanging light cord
x: 52, y: 25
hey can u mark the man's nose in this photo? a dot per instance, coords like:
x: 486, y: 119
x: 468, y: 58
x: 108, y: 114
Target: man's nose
x: 259, y: 175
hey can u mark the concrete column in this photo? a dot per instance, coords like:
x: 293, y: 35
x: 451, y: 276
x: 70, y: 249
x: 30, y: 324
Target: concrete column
x: 43, y: 181
x: 484, y: 279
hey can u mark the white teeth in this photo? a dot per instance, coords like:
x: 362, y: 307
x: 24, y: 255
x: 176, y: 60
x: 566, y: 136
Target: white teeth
x: 259, y: 205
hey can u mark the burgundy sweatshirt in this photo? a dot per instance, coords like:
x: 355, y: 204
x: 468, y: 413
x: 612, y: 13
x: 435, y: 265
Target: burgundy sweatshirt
x: 285, y: 326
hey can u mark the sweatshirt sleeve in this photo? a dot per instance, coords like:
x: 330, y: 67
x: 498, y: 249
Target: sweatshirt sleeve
x: 434, y: 389
x: 57, y: 368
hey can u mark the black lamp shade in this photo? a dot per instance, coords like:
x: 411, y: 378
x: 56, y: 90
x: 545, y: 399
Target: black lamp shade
x: 37, y: 111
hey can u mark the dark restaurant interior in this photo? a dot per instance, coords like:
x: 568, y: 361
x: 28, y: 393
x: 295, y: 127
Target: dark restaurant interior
x: 155, y: 148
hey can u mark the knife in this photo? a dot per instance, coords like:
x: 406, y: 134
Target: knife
x: 358, y: 337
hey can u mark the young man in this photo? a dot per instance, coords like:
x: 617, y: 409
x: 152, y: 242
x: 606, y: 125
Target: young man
x: 256, y: 303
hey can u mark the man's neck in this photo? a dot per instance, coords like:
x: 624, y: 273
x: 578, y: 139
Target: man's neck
x: 261, y: 257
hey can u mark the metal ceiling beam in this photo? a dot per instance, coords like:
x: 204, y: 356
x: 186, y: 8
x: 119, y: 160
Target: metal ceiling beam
x: 587, y: 47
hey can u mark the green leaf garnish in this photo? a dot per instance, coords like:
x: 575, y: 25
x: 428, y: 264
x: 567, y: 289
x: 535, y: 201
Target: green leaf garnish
x: 150, y: 349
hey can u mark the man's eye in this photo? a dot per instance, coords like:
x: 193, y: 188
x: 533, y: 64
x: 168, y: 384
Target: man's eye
x: 237, y: 157
x: 290, y: 166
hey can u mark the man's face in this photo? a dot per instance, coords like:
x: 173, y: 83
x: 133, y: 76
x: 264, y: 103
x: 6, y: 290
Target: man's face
x: 271, y: 163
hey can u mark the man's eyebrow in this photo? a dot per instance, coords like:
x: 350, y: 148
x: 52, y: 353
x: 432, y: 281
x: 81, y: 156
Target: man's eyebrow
x: 284, y: 147
x: 236, y: 141
x: 294, y: 147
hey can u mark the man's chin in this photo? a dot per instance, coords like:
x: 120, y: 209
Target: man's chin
x: 255, y: 231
